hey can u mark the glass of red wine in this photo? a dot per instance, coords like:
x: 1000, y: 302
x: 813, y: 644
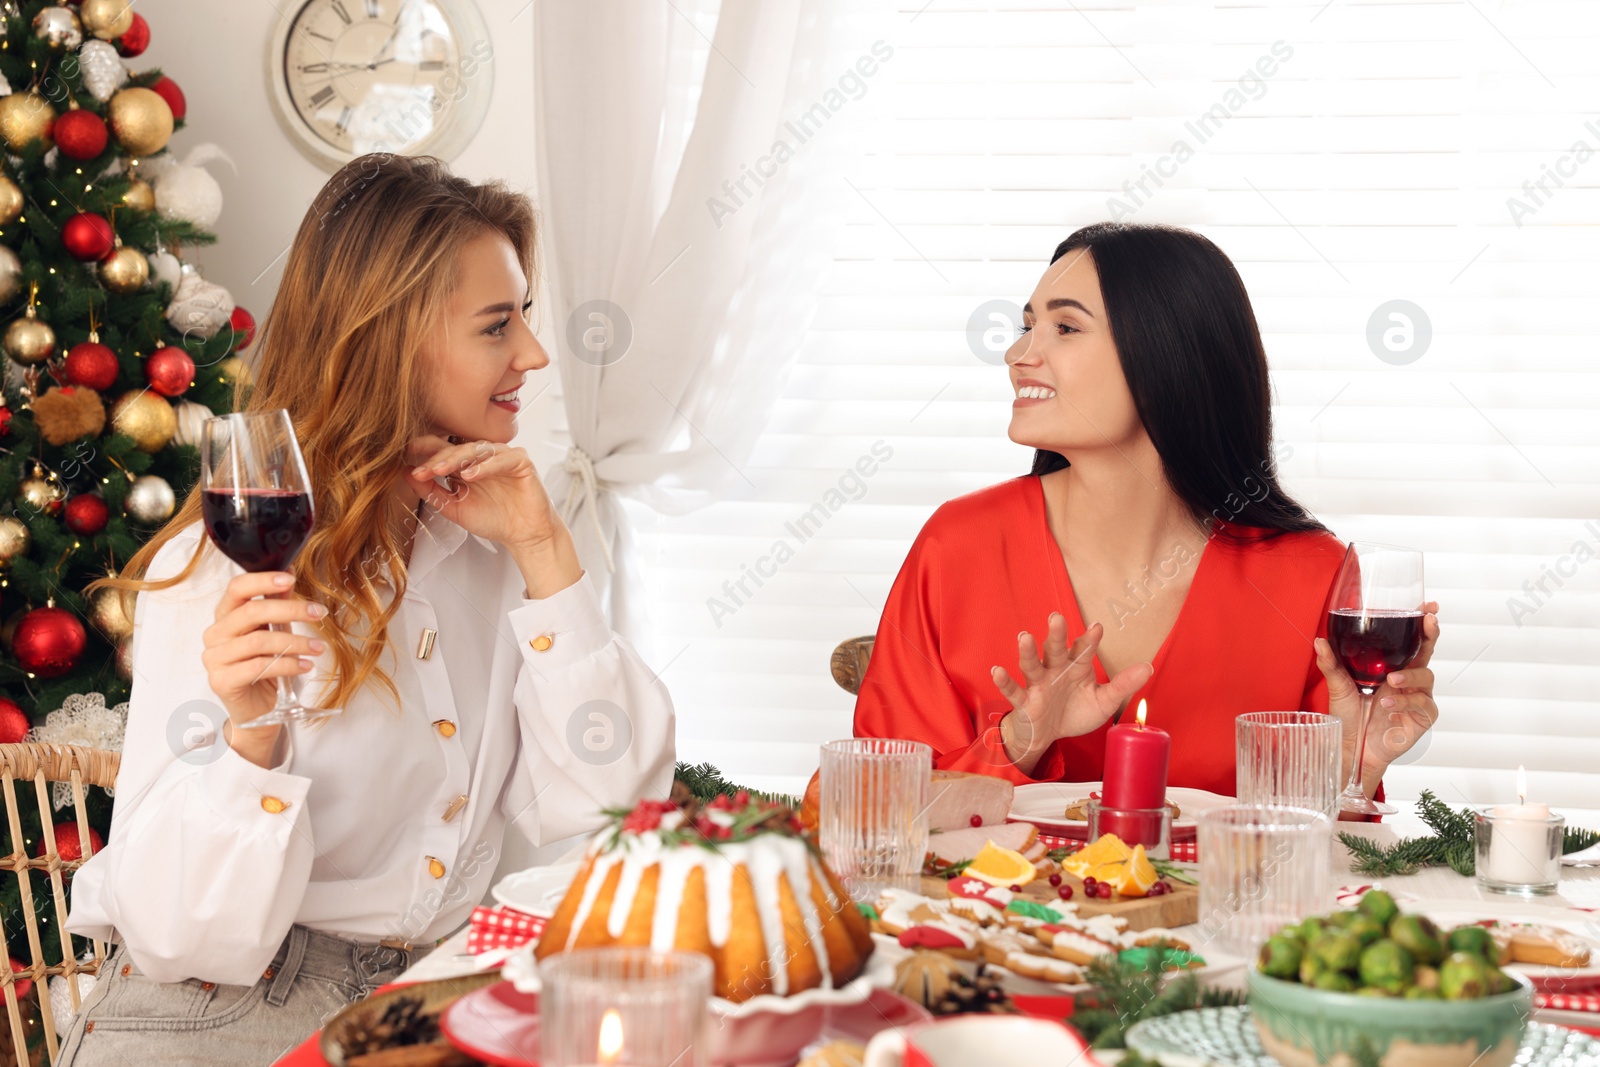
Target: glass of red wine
x: 1374, y: 627
x: 256, y: 505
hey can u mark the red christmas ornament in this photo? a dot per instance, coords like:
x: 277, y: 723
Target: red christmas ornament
x: 48, y: 642
x: 244, y: 328
x: 86, y: 514
x: 136, y: 39
x: 68, y: 847
x: 14, y: 722
x: 88, y: 237
x: 169, y: 371
x: 168, y: 90
x: 5, y: 420
x: 80, y: 134
x: 93, y: 366
x: 23, y: 986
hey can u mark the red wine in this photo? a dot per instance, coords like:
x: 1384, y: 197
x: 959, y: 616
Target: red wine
x: 259, y: 529
x: 1370, y: 644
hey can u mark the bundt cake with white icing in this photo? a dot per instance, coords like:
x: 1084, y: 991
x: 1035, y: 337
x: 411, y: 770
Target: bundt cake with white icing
x: 737, y: 879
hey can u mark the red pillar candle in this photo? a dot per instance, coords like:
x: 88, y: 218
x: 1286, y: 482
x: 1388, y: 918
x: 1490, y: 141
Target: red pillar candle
x: 1136, y: 765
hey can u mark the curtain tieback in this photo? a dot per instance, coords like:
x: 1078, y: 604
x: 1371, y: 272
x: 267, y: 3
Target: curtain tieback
x: 585, y: 488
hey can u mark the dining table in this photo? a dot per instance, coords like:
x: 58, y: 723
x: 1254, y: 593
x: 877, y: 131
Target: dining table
x: 1577, y: 902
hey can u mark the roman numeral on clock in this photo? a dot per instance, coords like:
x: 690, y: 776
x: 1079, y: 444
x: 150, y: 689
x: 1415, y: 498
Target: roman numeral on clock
x: 321, y: 97
x: 339, y: 9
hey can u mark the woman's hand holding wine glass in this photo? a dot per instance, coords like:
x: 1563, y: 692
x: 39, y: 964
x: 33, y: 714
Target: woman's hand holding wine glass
x: 1059, y: 695
x: 244, y: 658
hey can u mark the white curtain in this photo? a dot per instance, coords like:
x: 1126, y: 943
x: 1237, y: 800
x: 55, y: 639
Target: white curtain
x: 682, y: 256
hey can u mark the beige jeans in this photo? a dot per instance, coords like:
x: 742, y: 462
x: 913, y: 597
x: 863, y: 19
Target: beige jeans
x: 128, y: 1020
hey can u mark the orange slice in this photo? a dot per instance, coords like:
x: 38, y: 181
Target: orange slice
x: 1138, y: 875
x: 1001, y: 866
x: 1107, y: 849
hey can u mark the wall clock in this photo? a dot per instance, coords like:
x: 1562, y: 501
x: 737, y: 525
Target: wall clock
x: 356, y: 76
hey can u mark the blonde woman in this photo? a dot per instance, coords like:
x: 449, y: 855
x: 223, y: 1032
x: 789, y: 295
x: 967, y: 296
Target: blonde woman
x: 258, y: 879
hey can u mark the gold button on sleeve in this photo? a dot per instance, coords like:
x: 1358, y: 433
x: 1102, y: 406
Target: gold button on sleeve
x: 435, y: 868
x: 542, y: 643
x: 455, y: 807
x: 272, y: 805
x: 445, y: 727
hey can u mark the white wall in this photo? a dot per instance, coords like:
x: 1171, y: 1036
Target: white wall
x: 216, y: 52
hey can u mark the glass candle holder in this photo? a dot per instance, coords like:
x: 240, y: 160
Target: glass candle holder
x: 873, y: 818
x: 1150, y: 827
x: 625, y: 1007
x: 1519, y: 849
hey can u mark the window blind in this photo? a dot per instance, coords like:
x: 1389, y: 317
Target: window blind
x: 1346, y: 156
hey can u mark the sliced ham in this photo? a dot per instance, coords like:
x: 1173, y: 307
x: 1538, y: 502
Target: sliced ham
x: 952, y: 846
x: 956, y: 796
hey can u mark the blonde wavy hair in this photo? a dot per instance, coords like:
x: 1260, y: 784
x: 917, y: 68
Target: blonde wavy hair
x: 369, y: 275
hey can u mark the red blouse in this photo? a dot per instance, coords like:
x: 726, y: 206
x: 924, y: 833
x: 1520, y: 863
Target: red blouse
x: 986, y: 566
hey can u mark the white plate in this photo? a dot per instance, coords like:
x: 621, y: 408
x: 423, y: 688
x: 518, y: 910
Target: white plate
x: 537, y: 890
x: 1583, y: 925
x: 1044, y: 805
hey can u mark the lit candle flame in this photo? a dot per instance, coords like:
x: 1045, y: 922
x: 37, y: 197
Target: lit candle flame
x: 1522, y: 784
x: 610, y: 1037
x: 1139, y: 715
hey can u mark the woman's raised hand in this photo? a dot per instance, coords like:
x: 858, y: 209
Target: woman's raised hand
x: 244, y: 659
x: 496, y: 490
x: 1059, y: 695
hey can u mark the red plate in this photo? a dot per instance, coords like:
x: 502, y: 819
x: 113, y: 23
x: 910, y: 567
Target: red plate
x: 501, y: 1026
x: 496, y: 1024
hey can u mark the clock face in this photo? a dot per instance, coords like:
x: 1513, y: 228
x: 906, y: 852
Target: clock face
x: 361, y: 76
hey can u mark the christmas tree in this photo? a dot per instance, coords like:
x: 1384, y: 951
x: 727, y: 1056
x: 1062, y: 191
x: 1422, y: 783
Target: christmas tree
x: 115, y: 353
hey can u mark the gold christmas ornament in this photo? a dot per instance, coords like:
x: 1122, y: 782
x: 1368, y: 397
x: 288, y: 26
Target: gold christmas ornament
x: 11, y: 200
x: 10, y: 274
x: 235, y: 372
x: 110, y: 615
x: 124, y: 271
x: 14, y: 539
x: 140, y: 120
x: 106, y: 19
x: 125, y: 659
x: 148, y: 419
x: 150, y: 500
x: 26, y: 117
x: 140, y: 196
x: 41, y: 495
x: 27, y: 340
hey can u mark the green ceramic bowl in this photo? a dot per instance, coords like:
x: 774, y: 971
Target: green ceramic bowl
x: 1305, y: 1027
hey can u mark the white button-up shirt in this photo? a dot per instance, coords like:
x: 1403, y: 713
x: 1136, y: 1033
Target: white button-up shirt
x: 212, y: 858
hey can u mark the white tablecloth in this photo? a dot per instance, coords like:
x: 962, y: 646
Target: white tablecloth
x: 1580, y: 888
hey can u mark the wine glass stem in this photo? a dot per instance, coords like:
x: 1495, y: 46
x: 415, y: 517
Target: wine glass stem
x: 1354, y: 787
x: 288, y: 692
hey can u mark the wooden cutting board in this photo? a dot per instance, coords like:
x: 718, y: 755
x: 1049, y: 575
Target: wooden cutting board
x: 1181, y: 907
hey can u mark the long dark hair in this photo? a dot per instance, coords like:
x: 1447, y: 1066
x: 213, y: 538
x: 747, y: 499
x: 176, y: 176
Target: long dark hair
x: 1191, y: 352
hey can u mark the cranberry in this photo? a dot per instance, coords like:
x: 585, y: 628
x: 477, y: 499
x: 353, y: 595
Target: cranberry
x: 1102, y: 890
x: 1055, y: 879
x: 1065, y: 892
x: 1090, y: 883
x: 976, y: 820
x: 1016, y: 889
x: 1156, y: 890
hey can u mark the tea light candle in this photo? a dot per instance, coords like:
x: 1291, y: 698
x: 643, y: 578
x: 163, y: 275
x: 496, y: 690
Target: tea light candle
x: 1519, y: 850
x: 610, y: 1050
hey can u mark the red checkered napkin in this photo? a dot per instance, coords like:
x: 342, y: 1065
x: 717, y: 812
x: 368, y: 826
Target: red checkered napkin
x: 1589, y: 1002
x: 502, y: 927
x: 1181, y: 851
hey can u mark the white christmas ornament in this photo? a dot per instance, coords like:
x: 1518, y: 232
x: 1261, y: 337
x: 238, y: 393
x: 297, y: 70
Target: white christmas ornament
x: 186, y: 192
x: 191, y: 419
x: 199, y: 307
x: 165, y: 267
x: 61, y: 997
x: 5, y: 86
x: 82, y: 719
x: 103, y: 72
